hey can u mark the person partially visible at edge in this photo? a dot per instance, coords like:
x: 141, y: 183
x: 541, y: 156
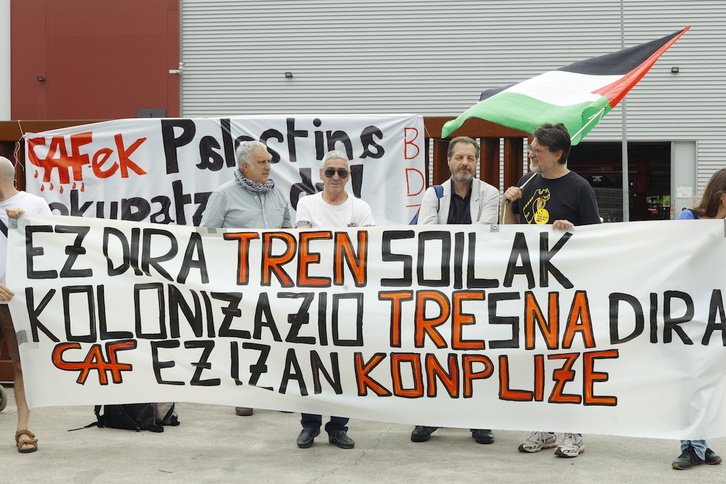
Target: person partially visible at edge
x: 332, y: 208
x: 13, y: 203
x: 712, y: 206
x: 249, y: 201
x: 551, y: 194
x: 465, y: 200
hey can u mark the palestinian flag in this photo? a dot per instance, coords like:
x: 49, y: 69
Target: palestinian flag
x: 578, y: 95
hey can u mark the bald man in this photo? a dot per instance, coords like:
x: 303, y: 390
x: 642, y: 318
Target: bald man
x: 13, y: 203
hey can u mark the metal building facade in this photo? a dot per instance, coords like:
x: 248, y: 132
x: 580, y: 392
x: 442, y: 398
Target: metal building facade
x: 434, y: 58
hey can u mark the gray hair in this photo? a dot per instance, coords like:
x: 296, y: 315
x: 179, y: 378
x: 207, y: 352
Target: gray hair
x: 244, y: 151
x: 335, y: 155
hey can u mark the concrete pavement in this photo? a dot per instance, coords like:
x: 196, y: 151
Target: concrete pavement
x: 213, y: 445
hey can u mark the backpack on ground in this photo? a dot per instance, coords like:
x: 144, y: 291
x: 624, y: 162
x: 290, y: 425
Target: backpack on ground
x: 135, y: 416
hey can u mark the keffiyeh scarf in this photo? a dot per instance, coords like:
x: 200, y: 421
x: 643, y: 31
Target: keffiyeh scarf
x: 253, y: 186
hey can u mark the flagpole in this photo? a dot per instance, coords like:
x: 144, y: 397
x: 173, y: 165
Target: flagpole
x: 626, y: 181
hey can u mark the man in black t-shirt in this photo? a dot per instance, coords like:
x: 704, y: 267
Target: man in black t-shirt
x: 551, y: 194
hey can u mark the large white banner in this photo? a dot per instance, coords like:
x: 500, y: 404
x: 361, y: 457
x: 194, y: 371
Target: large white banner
x: 163, y: 170
x: 610, y: 329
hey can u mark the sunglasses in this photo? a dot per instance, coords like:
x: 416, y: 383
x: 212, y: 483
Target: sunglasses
x: 330, y: 172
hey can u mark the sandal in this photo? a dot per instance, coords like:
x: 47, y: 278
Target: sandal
x: 32, y: 442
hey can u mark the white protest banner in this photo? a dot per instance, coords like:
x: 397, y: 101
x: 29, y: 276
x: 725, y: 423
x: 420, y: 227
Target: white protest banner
x: 163, y: 170
x: 610, y: 329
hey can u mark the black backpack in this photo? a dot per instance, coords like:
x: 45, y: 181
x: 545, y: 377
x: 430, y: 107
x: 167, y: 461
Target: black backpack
x: 439, y: 194
x: 135, y: 416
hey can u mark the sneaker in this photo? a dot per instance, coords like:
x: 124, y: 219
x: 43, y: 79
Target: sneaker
x: 538, y: 441
x: 712, y: 458
x: 688, y: 460
x: 572, y: 446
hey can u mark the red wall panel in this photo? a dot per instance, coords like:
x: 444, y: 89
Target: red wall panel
x: 100, y: 59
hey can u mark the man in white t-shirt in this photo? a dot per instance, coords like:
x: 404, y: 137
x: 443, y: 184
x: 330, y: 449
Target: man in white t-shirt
x: 331, y: 208
x: 13, y: 203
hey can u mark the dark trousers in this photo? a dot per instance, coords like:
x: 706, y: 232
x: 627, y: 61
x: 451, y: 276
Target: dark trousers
x: 336, y: 424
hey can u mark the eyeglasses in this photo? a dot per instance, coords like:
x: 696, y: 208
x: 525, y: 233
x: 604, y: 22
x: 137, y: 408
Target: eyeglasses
x: 330, y: 172
x: 536, y: 151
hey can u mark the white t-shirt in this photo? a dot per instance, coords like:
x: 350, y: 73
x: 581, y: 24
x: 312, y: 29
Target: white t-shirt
x: 312, y: 210
x: 29, y: 203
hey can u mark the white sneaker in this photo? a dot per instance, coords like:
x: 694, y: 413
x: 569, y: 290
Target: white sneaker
x: 572, y: 446
x: 538, y: 441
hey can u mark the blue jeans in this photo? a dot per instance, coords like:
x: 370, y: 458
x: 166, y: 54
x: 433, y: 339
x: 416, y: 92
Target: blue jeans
x: 699, y: 446
x: 336, y: 424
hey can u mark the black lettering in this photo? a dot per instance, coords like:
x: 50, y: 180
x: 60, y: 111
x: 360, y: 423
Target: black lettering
x: 163, y: 215
x: 194, y: 246
x: 135, y: 209
x: 103, y: 331
x: 316, y: 363
x: 406, y: 260
x: 73, y: 251
x: 715, y: 307
x: 513, y: 321
x: 292, y: 371
x: 260, y: 366
x: 160, y: 304
x: 671, y: 324
x: 519, y: 250
x: 34, y: 312
x: 292, y: 133
x: 445, y: 261
x: 69, y: 316
x: 148, y: 261
x: 230, y: 312
x: 371, y: 149
x: 263, y: 309
x: 160, y: 365
x: 187, y: 129
x: 32, y: 251
x: 545, y: 266
x: 471, y: 281
x: 301, y: 317
x: 194, y: 318
x: 358, y: 339
x: 228, y: 143
x: 203, y: 363
x: 614, y: 322
x: 209, y: 157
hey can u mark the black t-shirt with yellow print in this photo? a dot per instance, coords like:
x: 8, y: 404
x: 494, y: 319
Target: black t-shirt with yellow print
x: 569, y: 197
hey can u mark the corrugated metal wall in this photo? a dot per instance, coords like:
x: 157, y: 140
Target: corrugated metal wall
x: 434, y: 58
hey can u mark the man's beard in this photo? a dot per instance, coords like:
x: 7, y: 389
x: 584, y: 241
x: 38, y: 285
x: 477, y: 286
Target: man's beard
x: 460, y: 177
x: 536, y: 169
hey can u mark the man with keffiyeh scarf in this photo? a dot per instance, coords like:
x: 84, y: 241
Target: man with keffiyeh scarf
x: 249, y: 201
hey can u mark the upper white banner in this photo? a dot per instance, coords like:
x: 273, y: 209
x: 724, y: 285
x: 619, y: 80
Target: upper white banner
x: 163, y: 170
x: 610, y: 329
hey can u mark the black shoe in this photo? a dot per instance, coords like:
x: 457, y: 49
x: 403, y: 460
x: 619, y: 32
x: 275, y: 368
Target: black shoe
x: 422, y: 433
x: 244, y: 411
x: 688, y: 460
x: 712, y: 458
x: 307, y: 437
x: 483, y: 436
x: 341, y: 439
